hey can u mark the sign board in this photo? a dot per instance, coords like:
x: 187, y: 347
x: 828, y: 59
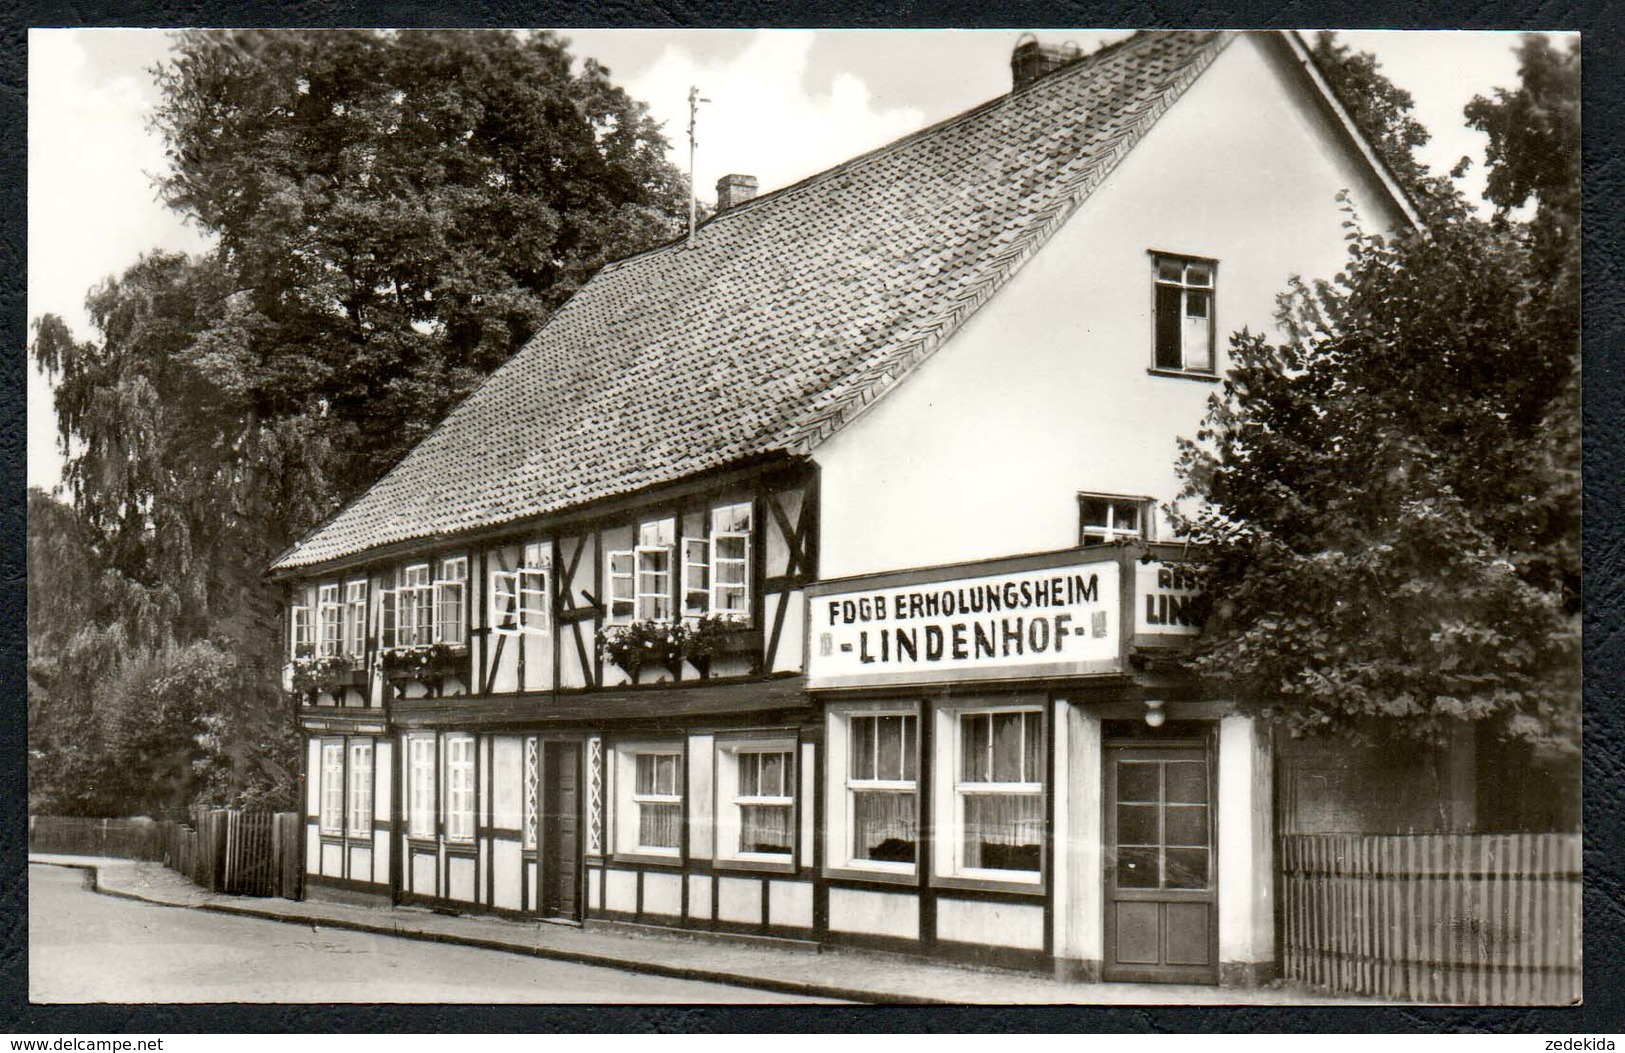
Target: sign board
x: 1039, y: 622
x: 1164, y: 595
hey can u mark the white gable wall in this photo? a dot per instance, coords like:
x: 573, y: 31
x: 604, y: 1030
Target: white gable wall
x: 1045, y: 392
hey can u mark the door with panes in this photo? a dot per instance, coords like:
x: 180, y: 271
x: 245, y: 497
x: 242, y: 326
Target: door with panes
x: 1161, y: 882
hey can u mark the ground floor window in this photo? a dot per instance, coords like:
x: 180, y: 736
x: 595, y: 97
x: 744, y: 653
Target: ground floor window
x: 756, y: 800
x: 649, y: 799
x: 361, y: 788
x: 420, y: 786
x: 873, y: 759
x: 332, y: 788
x: 995, y: 824
x: 460, y: 788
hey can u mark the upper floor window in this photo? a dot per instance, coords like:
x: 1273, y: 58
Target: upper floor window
x: 355, y: 618
x: 413, y: 605
x: 427, y: 607
x: 714, y: 570
x: 450, y: 590
x: 1184, y: 328
x: 1104, y: 518
x: 303, y: 645
x: 640, y: 582
x: 730, y: 561
x: 330, y: 619
x: 520, y: 597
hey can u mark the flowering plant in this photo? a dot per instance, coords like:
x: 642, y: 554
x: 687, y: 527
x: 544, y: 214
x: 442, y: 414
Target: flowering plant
x: 318, y: 675
x: 418, y: 661
x: 637, y: 644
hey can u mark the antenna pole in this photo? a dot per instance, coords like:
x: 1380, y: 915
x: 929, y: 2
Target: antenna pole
x: 694, y: 101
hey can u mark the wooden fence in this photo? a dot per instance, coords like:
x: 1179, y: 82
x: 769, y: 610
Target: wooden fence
x: 1481, y: 919
x: 248, y: 853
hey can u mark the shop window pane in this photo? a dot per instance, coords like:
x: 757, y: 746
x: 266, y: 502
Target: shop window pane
x: 1007, y: 747
x: 660, y: 825
x: 764, y: 828
x: 1137, y: 824
x: 1004, y: 831
x: 1187, y: 782
x: 1137, y: 781
x: 863, y: 747
x: 1187, y: 868
x: 1137, y: 868
x: 889, y: 762
x: 1186, y: 824
x: 883, y: 826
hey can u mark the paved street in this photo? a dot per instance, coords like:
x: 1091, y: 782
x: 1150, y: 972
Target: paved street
x: 85, y: 947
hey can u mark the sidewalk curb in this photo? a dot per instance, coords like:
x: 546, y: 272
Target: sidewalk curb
x: 804, y: 988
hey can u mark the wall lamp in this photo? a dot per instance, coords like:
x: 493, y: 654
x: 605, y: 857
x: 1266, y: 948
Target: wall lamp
x: 1154, y: 716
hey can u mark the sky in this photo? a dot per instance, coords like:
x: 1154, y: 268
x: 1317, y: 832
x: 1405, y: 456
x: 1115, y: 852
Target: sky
x: 784, y: 104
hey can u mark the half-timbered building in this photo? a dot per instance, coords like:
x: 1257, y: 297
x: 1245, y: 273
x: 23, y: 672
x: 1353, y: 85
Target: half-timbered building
x: 810, y: 578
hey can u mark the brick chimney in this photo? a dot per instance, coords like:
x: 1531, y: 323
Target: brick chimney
x: 1032, y: 60
x: 734, y: 190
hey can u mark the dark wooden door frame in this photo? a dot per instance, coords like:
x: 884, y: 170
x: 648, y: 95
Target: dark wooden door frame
x: 1110, y: 751
x: 560, y: 760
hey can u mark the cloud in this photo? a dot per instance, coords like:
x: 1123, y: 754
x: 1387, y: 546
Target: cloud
x: 763, y: 119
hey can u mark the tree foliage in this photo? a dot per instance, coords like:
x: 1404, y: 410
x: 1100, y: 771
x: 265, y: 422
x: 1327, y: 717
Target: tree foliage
x: 1387, y: 496
x: 393, y: 215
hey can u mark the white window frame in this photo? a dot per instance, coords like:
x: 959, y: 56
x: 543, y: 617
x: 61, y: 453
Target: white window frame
x: 331, y: 819
x: 952, y: 791
x: 728, y: 514
x: 1202, y: 360
x: 696, y: 577
x: 415, y: 592
x: 730, y: 754
x: 633, y: 605
x: 1108, y: 532
x: 452, y: 578
x: 460, y: 803
x: 329, y: 621
x: 300, y: 632
x: 841, y: 788
x: 628, y: 801
x: 420, y: 794
x: 359, y: 781
x: 355, y: 618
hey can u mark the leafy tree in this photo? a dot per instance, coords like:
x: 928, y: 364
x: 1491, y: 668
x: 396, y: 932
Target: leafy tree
x: 393, y: 215
x: 1385, y: 551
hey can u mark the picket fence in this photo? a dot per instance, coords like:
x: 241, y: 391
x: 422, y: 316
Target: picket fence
x: 1478, y: 919
x: 247, y: 853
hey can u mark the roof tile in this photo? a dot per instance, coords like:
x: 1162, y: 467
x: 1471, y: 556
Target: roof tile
x: 788, y: 316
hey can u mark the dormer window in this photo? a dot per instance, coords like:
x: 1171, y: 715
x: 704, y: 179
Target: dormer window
x: 1183, y: 304
x: 1104, y: 518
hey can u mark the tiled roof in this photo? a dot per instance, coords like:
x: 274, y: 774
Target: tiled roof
x: 787, y: 317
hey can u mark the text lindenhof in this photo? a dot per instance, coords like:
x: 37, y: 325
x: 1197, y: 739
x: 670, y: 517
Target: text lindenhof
x: 1056, y: 616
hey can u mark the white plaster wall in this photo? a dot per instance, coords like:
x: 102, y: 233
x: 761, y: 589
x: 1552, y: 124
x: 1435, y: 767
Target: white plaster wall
x: 739, y: 899
x: 702, y: 833
x: 874, y: 913
x: 1079, y: 826
x: 790, y: 903
x: 663, y: 894
x: 621, y: 890
x: 699, y: 896
x: 1045, y: 392
x: 460, y: 879
x: 507, y: 872
x: 1246, y: 869
x: 996, y: 924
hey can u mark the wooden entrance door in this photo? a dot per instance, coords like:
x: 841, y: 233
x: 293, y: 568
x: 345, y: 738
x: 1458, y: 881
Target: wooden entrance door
x: 1161, y: 879
x: 561, y: 831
